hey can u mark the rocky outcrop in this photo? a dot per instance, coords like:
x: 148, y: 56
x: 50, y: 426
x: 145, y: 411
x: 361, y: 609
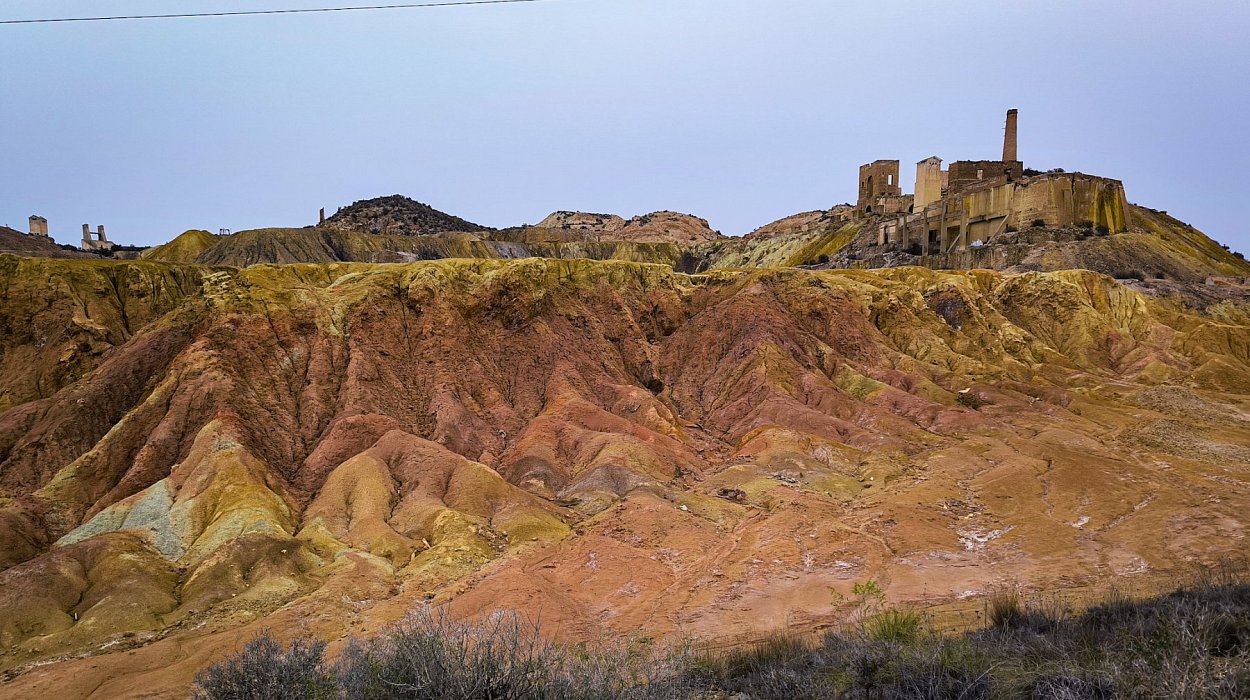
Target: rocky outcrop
x: 582, y: 221
x: 807, y: 222
x: 657, y: 227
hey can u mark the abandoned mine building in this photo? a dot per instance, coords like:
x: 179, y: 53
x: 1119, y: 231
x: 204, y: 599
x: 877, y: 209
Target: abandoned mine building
x: 973, y: 202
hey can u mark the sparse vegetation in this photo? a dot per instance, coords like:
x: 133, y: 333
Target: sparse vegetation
x: 265, y: 670
x: 1192, y: 643
x: 971, y: 400
x: 902, y: 626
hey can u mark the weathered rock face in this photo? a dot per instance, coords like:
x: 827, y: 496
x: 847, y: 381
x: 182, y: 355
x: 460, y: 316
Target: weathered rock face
x: 657, y: 227
x: 582, y: 221
x: 670, y: 227
x: 396, y: 215
x: 318, y: 448
x: 808, y: 222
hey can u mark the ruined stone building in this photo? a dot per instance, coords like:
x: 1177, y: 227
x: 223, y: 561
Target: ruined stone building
x: 975, y: 201
x: 38, y: 226
x: 100, y: 242
x: 879, y: 189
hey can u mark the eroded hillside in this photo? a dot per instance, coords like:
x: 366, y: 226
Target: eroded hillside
x: 191, y: 454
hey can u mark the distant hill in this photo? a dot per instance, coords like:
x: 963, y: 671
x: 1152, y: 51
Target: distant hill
x: 397, y: 215
x: 188, y: 246
x: 18, y: 243
x: 324, y: 245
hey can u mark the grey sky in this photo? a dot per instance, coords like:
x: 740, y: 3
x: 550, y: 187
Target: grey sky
x: 740, y: 111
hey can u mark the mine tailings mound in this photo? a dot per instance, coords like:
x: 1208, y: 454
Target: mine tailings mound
x: 188, y: 246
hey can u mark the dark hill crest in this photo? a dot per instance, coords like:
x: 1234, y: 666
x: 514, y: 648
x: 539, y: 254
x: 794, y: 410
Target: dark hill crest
x: 397, y: 215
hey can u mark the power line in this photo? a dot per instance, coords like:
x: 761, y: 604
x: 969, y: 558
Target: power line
x: 404, y: 6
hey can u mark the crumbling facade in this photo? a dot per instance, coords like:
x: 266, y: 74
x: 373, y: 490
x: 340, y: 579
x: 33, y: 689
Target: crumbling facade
x: 975, y: 201
x: 100, y: 242
x: 879, y: 189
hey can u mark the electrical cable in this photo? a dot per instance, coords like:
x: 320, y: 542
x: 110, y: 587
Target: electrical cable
x: 403, y: 6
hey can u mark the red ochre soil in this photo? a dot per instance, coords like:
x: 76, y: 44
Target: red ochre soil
x: 189, y: 455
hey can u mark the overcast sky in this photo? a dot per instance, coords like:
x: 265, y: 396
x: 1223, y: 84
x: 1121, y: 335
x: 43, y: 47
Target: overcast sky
x: 739, y: 111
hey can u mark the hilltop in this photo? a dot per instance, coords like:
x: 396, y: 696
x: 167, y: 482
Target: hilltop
x: 396, y: 215
x: 656, y: 227
x: 16, y: 242
x: 186, y: 248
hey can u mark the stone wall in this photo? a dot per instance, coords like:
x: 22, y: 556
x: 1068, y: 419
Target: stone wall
x: 969, y: 173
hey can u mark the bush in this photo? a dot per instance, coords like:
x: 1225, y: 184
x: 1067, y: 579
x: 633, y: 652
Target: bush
x: 429, y: 655
x: 1039, y: 223
x: 774, y: 650
x: 1003, y: 608
x: 900, y: 626
x: 1103, y: 229
x: 263, y: 671
x: 971, y: 400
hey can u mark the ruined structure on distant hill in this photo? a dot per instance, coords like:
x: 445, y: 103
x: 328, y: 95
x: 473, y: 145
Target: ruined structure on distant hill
x: 99, y: 242
x: 38, y: 226
x: 975, y: 201
x: 879, y: 189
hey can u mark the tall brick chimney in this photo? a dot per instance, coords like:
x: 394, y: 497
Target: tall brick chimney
x: 1009, y: 138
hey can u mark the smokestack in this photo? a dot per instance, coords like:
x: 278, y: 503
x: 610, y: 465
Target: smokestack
x: 1009, y: 138
x: 323, y: 216
x: 86, y: 232
x: 100, y: 230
